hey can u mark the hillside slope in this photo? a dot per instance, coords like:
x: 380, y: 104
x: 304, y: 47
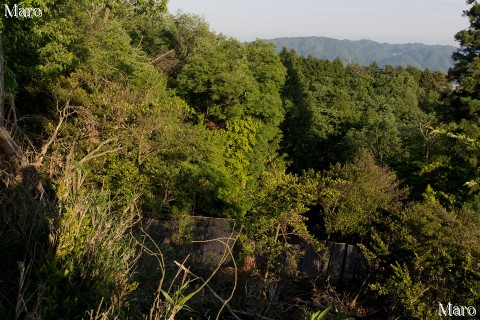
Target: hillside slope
x: 364, y: 52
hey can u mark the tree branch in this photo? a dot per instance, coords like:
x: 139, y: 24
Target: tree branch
x: 64, y: 114
x: 96, y: 152
x: 160, y: 56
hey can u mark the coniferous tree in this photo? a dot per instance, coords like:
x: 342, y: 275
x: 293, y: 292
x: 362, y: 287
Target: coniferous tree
x: 466, y: 71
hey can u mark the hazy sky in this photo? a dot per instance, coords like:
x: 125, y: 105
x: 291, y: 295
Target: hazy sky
x: 393, y: 21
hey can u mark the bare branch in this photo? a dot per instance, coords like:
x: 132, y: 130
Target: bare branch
x: 63, y: 115
x: 96, y: 152
x: 159, y: 57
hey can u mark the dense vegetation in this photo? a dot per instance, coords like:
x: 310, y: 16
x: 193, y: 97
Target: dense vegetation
x: 116, y: 111
x: 364, y: 52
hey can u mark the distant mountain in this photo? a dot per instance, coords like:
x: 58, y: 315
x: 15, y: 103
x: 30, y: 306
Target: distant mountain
x: 364, y: 52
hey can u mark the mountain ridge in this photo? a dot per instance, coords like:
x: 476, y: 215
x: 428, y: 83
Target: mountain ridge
x: 365, y: 51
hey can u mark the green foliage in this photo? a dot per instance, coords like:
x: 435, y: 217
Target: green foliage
x: 462, y: 110
x: 410, y: 293
x: 276, y: 218
x: 186, y: 33
x: 217, y: 81
x: 429, y: 262
x: 319, y: 315
x: 226, y: 80
x: 239, y: 139
x: 178, y: 301
x: 94, y: 254
x: 464, y: 101
x: 139, y: 113
x: 355, y: 196
x: 334, y: 111
x: 235, y: 88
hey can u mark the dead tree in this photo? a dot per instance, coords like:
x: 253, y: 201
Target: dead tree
x: 10, y: 154
x: 2, y: 87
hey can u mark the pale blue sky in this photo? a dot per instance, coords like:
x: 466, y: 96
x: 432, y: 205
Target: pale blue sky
x: 393, y: 21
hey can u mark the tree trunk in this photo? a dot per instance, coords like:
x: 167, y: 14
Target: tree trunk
x: 10, y: 156
x: 2, y: 88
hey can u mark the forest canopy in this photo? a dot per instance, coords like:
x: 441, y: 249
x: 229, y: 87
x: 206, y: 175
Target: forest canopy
x: 115, y: 111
